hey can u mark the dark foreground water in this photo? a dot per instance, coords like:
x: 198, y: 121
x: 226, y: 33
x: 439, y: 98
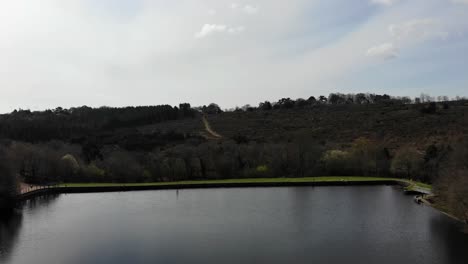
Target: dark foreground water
x: 255, y: 225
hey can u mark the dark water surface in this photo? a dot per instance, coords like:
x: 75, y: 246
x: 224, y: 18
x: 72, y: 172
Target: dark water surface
x: 365, y: 224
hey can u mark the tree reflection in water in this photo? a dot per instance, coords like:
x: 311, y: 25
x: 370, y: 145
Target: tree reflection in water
x: 11, y: 221
x: 38, y: 202
x: 451, y: 233
x: 10, y: 225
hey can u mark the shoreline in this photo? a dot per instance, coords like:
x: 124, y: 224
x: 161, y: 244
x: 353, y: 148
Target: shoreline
x: 209, y: 184
x: 427, y: 202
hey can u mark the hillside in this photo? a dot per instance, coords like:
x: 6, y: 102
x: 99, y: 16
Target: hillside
x: 335, y: 125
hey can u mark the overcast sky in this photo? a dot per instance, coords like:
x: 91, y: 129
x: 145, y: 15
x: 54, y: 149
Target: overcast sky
x: 146, y: 52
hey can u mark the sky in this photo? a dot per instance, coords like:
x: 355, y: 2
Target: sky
x: 147, y: 52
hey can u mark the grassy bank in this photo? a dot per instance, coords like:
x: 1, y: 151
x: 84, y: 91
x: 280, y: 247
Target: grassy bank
x: 413, y: 186
x: 334, y: 179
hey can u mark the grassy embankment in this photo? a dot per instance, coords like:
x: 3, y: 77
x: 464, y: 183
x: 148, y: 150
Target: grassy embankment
x: 412, y: 184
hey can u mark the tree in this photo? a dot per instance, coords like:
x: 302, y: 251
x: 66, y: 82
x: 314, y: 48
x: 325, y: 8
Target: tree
x: 361, y: 98
x: 69, y: 167
x: 322, y: 99
x: 363, y: 154
x: 383, y: 162
x: 442, y: 98
x: 457, y: 194
x: 307, y: 154
x: 184, y: 106
x: 91, y: 151
x: 212, y: 109
x: 425, y: 98
x: 248, y: 108
x: 431, y: 162
x: 285, y: 103
x: 407, y: 162
x: 312, y: 100
x: 8, y: 182
x: 185, y: 110
x: 336, y: 98
x: 348, y: 98
x: 336, y: 162
x: 301, y: 103
x: 451, y: 187
x: 122, y: 166
x: 179, y: 169
x: 405, y: 100
x: 265, y: 106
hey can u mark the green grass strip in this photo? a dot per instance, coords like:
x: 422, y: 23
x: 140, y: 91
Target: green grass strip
x: 254, y: 180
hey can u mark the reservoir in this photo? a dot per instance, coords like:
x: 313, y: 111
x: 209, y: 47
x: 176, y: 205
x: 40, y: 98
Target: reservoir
x: 349, y: 224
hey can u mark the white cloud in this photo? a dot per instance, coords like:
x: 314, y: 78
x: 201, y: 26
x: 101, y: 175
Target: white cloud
x: 385, y: 51
x: 417, y: 29
x: 248, y: 9
x: 251, y: 10
x: 209, y: 29
x: 384, y: 2
x: 407, y: 34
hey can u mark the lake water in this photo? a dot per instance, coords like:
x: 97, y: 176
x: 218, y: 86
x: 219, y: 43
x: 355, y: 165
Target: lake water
x: 359, y: 224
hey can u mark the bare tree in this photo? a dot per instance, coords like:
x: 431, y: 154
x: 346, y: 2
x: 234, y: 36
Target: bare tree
x: 407, y: 162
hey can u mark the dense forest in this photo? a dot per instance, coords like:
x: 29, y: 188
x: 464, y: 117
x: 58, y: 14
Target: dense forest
x: 424, y: 139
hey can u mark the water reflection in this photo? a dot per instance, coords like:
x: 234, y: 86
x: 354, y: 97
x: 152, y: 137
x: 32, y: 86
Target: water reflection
x: 39, y: 201
x: 11, y: 222
x: 375, y: 224
x: 451, y: 239
x: 10, y: 225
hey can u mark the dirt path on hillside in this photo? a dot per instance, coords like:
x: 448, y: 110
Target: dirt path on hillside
x: 211, y: 134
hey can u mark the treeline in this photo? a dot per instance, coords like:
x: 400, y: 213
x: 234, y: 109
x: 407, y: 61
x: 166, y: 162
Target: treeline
x: 56, y: 161
x: 66, y: 124
x: 342, y: 99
